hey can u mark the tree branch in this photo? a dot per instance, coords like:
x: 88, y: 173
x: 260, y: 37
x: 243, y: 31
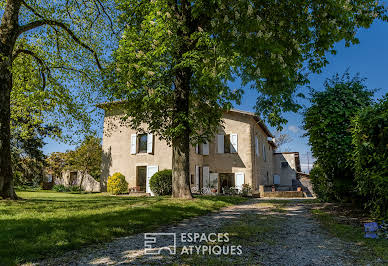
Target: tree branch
x: 38, y: 59
x: 63, y: 26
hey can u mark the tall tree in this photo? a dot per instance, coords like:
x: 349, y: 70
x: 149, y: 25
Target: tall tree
x: 328, y: 126
x: 176, y: 58
x: 64, y: 38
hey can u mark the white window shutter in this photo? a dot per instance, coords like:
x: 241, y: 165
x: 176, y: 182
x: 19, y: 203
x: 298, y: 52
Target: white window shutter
x: 196, y: 176
x: 133, y: 144
x: 233, y: 143
x: 264, y: 154
x: 197, y: 149
x: 150, y: 143
x: 205, y: 148
x: 257, y: 146
x: 239, y: 180
x: 206, y: 176
x: 220, y: 143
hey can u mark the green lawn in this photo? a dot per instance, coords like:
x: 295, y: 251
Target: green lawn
x: 48, y: 223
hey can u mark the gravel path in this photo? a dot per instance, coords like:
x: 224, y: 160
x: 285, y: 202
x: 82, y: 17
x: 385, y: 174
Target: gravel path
x: 297, y: 240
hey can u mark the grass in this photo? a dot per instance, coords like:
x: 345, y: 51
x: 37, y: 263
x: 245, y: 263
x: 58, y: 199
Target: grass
x: 371, y: 250
x: 46, y: 223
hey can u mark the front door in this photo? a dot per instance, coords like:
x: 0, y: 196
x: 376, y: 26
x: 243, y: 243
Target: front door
x: 141, y: 177
x: 151, y: 170
x: 226, y: 180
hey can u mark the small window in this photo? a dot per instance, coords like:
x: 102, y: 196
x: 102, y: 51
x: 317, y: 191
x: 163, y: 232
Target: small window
x: 227, y: 143
x: 192, y: 181
x: 284, y: 164
x: 200, y: 148
x: 142, y: 143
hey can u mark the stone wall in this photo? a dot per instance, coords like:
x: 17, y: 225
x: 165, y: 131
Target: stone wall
x: 73, y: 178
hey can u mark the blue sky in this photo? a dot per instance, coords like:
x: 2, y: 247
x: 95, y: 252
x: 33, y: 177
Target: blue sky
x: 369, y: 58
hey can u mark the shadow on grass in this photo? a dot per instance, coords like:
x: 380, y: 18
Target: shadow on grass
x: 38, y: 228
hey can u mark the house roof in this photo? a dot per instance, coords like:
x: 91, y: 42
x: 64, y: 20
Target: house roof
x: 253, y: 115
x: 256, y: 118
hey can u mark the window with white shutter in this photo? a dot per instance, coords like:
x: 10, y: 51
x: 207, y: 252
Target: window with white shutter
x: 220, y: 143
x: 206, y: 176
x: 205, y: 148
x: 257, y: 145
x: 133, y: 143
x: 150, y: 143
x: 233, y: 143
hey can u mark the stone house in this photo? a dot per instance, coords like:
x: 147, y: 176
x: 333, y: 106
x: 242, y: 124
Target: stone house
x: 242, y: 152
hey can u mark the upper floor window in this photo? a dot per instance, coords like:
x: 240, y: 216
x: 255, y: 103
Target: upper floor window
x: 227, y: 143
x: 142, y: 143
x: 142, y: 140
x: 202, y: 148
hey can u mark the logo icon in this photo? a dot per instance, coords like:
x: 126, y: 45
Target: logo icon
x: 154, y: 243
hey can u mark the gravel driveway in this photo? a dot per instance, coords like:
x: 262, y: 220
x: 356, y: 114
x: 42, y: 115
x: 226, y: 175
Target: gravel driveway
x: 290, y: 237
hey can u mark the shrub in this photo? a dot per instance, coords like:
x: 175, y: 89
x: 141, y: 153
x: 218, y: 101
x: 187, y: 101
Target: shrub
x: 370, y: 140
x: 322, y: 186
x: 246, y: 190
x: 327, y: 124
x: 161, y: 183
x: 75, y: 189
x: 117, y: 184
x: 60, y: 188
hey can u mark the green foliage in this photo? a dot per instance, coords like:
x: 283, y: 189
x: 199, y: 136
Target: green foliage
x: 69, y: 221
x: 265, y: 43
x: 328, y: 124
x: 161, y: 183
x: 87, y: 157
x: 117, y: 184
x: 370, y: 140
x: 322, y: 186
x: 60, y: 188
x: 246, y: 190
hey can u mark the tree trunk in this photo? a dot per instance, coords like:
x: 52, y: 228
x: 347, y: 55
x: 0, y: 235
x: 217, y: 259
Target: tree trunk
x: 8, y: 34
x: 6, y: 177
x: 181, y: 144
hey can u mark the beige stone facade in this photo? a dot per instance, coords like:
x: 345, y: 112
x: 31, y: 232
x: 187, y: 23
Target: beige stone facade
x: 240, y: 153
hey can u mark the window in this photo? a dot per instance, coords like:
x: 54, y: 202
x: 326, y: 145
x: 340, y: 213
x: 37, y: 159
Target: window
x: 227, y: 143
x: 264, y: 153
x: 142, y: 143
x: 284, y: 164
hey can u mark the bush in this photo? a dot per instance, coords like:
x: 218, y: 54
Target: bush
x: 246, y: 190
x: 322, y: 186
x: 117, y: 184
x: 161, y: 183
x: 370, y: 140
x: 60, y: 188
x: 328, y: 126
